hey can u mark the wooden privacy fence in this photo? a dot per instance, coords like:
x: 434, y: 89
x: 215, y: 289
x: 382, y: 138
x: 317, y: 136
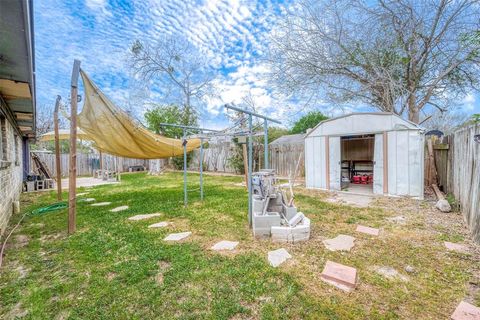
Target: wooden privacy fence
x: 88, y: 162
x: 215, y: 158
x: 463, y: 179
x: 282, y: 158
x: 457, y: 162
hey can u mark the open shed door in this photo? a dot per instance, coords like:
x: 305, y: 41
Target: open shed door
x: 335, y: 163
x: 378, y: 164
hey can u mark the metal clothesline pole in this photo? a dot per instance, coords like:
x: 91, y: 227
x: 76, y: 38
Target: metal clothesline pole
x: 58, y: 166
x: 265, y: 143
x: 201, y: 169
x: 250, y: 169
x: 184, y: 143
x: 251, y: 113
x: 250, y: 150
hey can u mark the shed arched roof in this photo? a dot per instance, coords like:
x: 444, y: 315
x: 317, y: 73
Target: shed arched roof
x: 362, y: 123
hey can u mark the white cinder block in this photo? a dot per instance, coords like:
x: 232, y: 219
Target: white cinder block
x: 296, y: 219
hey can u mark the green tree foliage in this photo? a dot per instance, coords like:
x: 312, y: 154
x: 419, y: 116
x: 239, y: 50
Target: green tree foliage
x: 236, y: 158
x: 170, y: 114
x: 475, y: 118
x: 175, y: 115
x: 308, y: 121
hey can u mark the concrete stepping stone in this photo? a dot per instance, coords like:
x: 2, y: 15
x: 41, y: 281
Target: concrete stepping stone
x: 456, y: 247
x: 177, y: 236
x: 277, y: 257
x: 88, y: 199
x: 367, y: 230
x: 390, y: 273
x: 224, y: 245
x: 117, y: 209
x: 100, y: 204
x: 159, y: 225
x: 340, y: 243
x: 341, y: 276
x: 144, y: 216
x: 466, y: 311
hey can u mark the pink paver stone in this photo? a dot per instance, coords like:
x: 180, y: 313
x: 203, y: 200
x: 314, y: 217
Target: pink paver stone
x: 455, y: 247
x: 368, y: 230
x: 466, y: 311
x: 339, y: 275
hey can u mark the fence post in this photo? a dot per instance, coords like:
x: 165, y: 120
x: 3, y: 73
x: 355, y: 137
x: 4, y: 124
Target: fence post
x: 72, y: 182
x: 58, y: 166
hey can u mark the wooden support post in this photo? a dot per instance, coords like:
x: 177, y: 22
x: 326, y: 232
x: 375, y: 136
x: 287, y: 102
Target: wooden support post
x: 438, y: 193
x: 58, y: 166
x: 327, y: 162
x: 100, y: 162
x: 431, y: 167
x: 72, y: 182
x: 119, y: 168
x: 385, y: 162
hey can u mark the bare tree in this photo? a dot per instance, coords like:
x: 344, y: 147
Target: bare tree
x: 396, y: 55
x: 447, y: 121
x: 182, y: 71
x: 44, y: 120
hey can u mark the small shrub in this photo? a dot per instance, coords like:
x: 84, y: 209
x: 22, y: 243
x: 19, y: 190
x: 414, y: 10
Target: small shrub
x: 453, y: 202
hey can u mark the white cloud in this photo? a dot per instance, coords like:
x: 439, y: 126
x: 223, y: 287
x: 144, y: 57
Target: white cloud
x: 469, y: 102
x: 231, y: 33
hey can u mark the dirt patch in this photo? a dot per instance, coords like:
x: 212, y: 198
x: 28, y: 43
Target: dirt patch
x: 389, y: 273
x: 163, y: 267
x: 62, y: 315
x: 17, y: 312
x: 20, y: 241
x: 22, y: 271
x: 52, y: 237
x: 111, y: 276
x: 356, y: 200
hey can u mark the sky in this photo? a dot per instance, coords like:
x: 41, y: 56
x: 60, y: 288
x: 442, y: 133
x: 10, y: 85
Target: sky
x: 232, y: 34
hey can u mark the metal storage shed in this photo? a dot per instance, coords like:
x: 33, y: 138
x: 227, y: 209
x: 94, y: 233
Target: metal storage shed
x: 384, y: 144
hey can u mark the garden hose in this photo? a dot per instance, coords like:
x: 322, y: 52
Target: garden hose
x: 36, y: 212
x: 53, y: 207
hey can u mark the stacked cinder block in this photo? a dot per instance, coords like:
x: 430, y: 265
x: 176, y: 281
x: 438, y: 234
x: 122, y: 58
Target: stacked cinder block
x: 262, y: 224
x: 11, y: 172
x: 272, y: 217
x: 298, y: 230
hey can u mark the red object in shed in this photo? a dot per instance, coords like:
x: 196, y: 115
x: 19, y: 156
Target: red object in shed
x: 357, y: 179
x: 364, y: 179
x: 370, y: 178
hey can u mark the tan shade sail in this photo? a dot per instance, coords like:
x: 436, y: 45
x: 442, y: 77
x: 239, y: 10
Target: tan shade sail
x: 63, y: 134
x: 116, y: 133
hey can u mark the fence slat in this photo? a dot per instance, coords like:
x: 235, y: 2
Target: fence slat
x: 282, y: 158
x: 458, y: 169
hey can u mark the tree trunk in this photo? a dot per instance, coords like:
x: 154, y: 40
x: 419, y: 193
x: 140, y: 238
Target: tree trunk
x: 414, y: 116
x: 413, y: 111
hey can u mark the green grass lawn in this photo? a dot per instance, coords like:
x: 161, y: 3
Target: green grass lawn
x: 112, y: 268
